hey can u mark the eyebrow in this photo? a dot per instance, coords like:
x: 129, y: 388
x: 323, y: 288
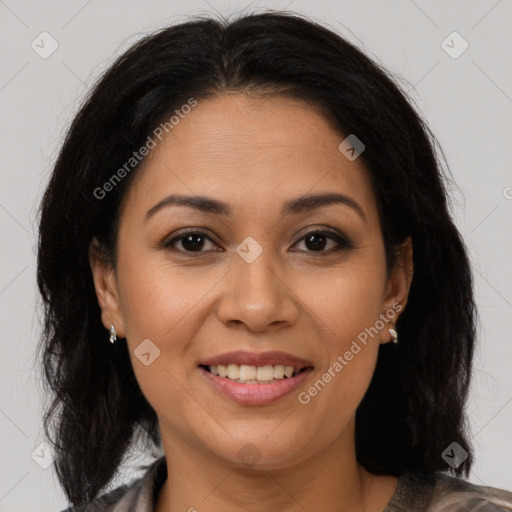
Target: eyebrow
x: 291, y: 207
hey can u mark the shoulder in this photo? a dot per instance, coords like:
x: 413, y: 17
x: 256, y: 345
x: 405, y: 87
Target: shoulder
x: 110, y: 501
x: 452, y: 493
x: 138, y: 496
x: 440, y: 492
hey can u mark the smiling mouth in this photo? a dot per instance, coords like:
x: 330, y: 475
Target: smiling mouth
x: 245, y: 374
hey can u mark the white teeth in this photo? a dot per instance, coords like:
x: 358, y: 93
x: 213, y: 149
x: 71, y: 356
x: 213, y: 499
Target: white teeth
x: 233, y: 371
x: 247, y: 372
x: 265, y: 373
x: 253, y: 374
x: 288, y: 371
x: 279, y: 371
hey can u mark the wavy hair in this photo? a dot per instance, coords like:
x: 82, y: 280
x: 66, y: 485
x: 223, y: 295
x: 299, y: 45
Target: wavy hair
x: 415, y: 405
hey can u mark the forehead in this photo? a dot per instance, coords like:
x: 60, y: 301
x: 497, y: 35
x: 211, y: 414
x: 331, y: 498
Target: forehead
x: 251, y: 153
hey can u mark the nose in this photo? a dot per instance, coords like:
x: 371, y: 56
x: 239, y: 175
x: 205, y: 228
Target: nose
x: 257, y: 295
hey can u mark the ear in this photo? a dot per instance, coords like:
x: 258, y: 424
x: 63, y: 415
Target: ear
x: 398, y: 285
x: 106, y: 289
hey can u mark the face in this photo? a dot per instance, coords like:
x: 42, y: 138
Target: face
x: 261, y: 274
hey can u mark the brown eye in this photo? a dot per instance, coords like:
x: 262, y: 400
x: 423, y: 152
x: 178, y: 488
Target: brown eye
x: 316, y: 241
x: 193, y: 241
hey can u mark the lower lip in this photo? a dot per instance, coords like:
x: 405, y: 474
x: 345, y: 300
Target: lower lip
x: 255, y: 394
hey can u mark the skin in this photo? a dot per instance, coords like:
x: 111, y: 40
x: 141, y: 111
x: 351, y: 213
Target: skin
x: 254, y: 154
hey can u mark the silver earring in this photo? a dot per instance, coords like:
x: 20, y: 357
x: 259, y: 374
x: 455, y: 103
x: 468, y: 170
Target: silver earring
x: 113, y: 335
x: 394, y: 335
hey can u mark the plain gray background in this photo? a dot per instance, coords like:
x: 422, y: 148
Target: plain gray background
x: 466, y: 100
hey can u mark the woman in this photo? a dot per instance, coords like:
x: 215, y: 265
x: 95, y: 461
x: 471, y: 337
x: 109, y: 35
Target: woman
x: 256, y: 218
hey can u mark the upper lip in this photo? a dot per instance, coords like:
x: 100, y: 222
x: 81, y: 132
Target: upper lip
x: 257, y: 359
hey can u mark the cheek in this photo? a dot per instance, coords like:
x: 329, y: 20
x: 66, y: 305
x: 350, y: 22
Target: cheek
x: 346, y: 309
x: 348, y: 299
x: 168, y: 306
x: 156, y: 306
x: 164, y: 308
x: 158, y: 299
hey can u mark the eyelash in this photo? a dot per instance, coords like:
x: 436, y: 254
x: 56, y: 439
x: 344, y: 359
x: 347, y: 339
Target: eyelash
x: 343, y: 242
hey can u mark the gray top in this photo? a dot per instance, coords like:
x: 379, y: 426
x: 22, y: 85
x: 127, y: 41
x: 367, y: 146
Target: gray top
x: 436, y: 492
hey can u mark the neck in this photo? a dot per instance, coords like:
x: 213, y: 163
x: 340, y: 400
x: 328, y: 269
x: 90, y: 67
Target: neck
x: 330, y: 480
